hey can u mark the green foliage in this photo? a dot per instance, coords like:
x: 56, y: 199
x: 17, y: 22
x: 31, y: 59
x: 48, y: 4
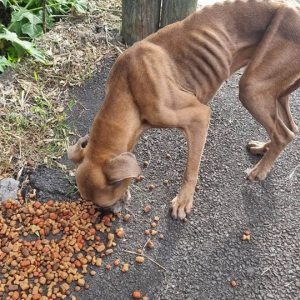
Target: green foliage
x: 4, y: 63
x: 26, y: 23
x: 4, y: 2
x: 20, y: 45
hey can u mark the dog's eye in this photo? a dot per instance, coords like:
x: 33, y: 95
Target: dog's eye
x: 116, y: 184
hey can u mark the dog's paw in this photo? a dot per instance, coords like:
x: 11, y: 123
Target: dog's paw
x: 256, y: 147
x: 257, y: 174
x: 181, y: 207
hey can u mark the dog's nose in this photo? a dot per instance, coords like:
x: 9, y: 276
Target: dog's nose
x: 118, y: 206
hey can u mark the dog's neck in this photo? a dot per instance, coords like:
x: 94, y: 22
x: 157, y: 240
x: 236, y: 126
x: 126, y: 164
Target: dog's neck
x: 113, y: 136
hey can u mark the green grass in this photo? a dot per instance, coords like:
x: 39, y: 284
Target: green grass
x: 40, y: 134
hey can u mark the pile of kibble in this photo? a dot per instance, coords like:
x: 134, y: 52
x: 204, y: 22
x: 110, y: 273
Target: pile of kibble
x: 45, y: 247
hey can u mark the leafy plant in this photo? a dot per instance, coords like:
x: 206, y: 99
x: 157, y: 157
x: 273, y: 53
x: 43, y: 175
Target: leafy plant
x: 28, y: 20
x: 20, y: 45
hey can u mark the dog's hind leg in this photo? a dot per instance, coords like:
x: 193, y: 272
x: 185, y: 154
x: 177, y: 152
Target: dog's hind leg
x: 257, y: 147
x: 266, y: 112
x: 285, y: 115
x: 269, y: 78
x: 274, y: 114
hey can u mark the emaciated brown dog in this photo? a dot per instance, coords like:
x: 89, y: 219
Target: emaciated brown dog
x: 167, y: 79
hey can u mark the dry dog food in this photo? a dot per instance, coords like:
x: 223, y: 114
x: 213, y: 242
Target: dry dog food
x: 44, y: 247
x: 147, y: 208
x: 136, y: 295
x: 140, y: 259
x: 126, y: 217
x: 150, y: 244
x: 233, y: 283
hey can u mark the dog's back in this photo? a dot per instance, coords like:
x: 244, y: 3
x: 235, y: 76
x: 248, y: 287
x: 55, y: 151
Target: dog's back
x: 218, y: 40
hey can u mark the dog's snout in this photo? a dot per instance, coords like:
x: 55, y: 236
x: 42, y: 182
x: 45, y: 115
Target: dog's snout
x: 117, y: 206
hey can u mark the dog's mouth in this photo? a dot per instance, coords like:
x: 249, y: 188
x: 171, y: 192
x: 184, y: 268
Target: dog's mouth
x: 119, y: 205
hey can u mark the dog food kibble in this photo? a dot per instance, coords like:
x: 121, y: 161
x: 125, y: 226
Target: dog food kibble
x: 185, y: 220
x: 98, y: 262
x: 153, y: 232
x: 153, y: 224
x: 247, y: 232
x: 63, y: 242
x: 246, y: 237
x: 125, y: 267
x: 116, y: 262
x: 156, y: 218
x: 197, y: 187
x: 81, y: 282
x: 120, y: 232
x: 166, y: 181
x: 126, y: 217
x: 138, y: 178
x: 168, y: 155
x: 139, y: 251
x: 15, y: 295
x: 151, y: 186
x: 109, y: 251
x: 147, y: 208
x: 140, y: 259
x: 146, y: 163
x: 147, y: 231
x: 108, y: 267
x: 136, y: 295
x: 150, y: 244
x: 110, y: 237
x: 77, y: 288
x: 233, y: 283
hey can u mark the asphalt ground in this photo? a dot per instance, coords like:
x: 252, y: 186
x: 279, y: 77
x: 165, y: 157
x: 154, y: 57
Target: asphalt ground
x: 198, y: 259
x: 203, y: 255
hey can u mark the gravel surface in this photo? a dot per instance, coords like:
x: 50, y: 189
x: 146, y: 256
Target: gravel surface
x: 203, y: 255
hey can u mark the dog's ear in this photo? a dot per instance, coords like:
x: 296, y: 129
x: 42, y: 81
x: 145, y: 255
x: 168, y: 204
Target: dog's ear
x: 121, y: 167
x: 75, y: 152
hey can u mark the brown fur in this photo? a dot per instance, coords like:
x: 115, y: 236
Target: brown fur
x: 167, y: 79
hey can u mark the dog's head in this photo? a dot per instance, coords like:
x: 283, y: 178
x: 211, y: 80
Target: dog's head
x: 105, y: 183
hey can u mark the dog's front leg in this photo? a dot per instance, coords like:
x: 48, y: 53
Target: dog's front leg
x: 194, y: 123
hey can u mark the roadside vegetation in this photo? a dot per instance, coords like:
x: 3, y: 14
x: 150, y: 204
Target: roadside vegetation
x: 34, y: 90
x: 25, y: 20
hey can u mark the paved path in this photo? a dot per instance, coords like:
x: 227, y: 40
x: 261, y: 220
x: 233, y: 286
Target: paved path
x: 203, y: 255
